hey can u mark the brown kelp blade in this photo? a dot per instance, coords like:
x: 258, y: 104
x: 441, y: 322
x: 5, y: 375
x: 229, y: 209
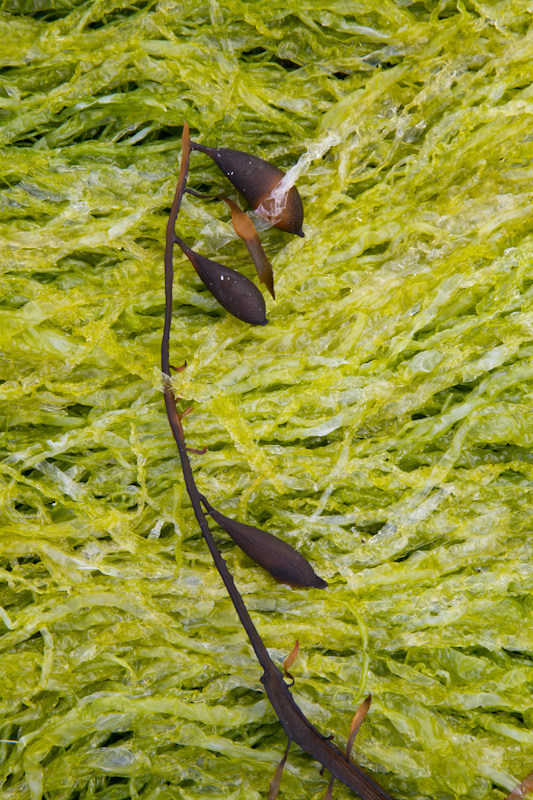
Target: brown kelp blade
x: 275, y: 783
x: 276, y: 556
x: 357, y: 721
x: 245, y: 228
x: 523, y: 789
x: 235, y: 292
x: 256, y: 180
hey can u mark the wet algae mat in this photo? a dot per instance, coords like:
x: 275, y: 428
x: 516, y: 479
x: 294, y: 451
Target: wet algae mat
x: 381, y: 422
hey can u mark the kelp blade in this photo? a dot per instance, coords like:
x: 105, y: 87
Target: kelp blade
x: 272, y: 553
x: 235, y: 292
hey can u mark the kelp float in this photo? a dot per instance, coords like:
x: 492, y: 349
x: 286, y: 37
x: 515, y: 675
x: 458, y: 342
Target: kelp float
x: 256, y: 180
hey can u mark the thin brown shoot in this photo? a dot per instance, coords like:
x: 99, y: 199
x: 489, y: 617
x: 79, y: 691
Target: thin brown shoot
x: 329, y: 790
x: 262, y: 264
x: 245, y: 228
x: 178, y: 369
x: 197, y: 452
x: 289, y: 661
x: 275, y: 783
x: 357, y: 721
x: 186, y: 412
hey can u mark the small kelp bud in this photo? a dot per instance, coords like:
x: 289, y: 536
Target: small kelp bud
x: 276, y: 556
x: 357, y: 721
x: 257, y: 180
x: 289, y: 661
x: 236, y: 293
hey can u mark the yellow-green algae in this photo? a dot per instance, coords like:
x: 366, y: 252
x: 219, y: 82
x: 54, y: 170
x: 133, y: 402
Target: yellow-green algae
x: 382, y: 422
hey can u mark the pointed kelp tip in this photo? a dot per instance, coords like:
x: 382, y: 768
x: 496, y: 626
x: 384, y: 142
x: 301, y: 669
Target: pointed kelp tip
x: 253, y: 318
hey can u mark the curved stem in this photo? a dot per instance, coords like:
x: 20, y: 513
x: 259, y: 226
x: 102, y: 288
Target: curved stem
x: 177, y: 428
x: 170, y: 234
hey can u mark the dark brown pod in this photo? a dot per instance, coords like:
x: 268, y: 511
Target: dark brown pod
x: 276, y: 556
x: 235, y: 292
x: 255, y: 179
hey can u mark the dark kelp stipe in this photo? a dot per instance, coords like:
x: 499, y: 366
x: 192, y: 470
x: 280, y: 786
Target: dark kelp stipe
x: 296, y: 726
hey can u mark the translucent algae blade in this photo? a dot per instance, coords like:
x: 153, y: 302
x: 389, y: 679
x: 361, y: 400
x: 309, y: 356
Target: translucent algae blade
x: 383, y: 415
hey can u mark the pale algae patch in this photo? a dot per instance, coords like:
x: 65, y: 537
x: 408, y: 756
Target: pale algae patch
x: 382, y: 421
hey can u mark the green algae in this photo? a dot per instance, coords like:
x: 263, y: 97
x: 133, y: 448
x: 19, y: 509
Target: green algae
x: 381, y: 422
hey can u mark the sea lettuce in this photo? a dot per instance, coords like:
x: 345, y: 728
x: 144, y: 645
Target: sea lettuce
x: 381, y: 422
